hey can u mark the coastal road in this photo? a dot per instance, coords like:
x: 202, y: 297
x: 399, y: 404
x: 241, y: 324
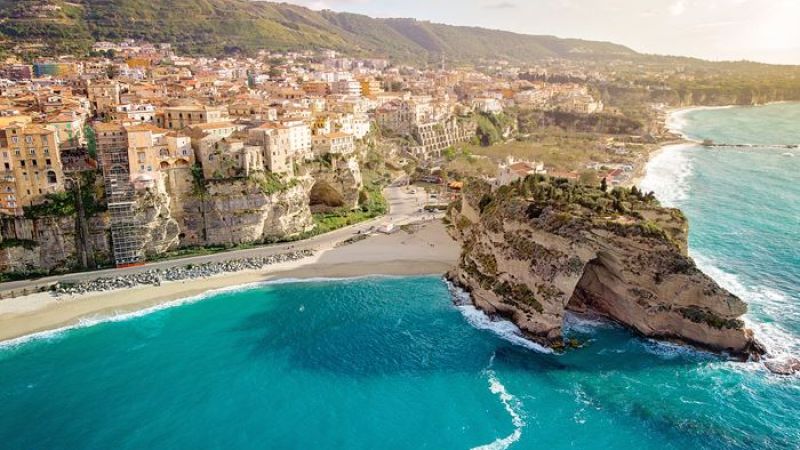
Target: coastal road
x: 404, y: 208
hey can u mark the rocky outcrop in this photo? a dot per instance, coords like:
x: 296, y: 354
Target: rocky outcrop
x: 337, y: 184
x: 48, y: 244
x: 160, y: 231
x: 237, y: 211
x: 540, y: 247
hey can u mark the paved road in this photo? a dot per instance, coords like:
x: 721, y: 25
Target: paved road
x: 404, y: 208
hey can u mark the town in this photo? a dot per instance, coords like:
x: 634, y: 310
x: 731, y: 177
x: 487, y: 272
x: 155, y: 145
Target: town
x: 136, y: 151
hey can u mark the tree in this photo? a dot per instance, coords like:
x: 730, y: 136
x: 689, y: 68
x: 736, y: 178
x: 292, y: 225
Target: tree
x: 604, y: 185
x: 91, y: 141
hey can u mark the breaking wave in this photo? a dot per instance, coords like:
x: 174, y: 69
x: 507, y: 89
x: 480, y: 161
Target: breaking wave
x: 504, y: 329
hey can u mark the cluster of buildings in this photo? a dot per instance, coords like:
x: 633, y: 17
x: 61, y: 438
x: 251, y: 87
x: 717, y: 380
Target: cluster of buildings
x: 137, y: 111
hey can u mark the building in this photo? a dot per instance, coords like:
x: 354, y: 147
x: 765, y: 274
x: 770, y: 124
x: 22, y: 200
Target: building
x: 68, y: 126
x: 17, y: 72
x: 180, y: 117
x: 435, y: 137
x: 370, y: 87
x: 274, y: 140
x: 31, y: 165
x: 231, y: 159
x: 103, y: 97
x: 134, y: 113
x: 346, y: 87
x: 512, y: 170
x: 55, y: 69
x: 217, y: 129
x: 335, y: 143
x: 146, y: 146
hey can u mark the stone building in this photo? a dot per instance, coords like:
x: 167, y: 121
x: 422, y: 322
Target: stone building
x: 31, y: 165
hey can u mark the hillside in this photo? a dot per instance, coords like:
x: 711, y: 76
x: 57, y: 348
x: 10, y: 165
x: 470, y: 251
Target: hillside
x: 214, y: 27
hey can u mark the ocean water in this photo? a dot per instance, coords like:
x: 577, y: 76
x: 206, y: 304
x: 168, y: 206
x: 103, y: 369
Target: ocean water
x: 394, y: 363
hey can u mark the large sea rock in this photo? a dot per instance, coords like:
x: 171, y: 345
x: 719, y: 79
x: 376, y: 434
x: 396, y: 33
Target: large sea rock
x: 540, y: 247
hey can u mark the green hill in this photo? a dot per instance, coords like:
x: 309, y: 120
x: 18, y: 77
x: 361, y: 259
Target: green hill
x: 214, y: 27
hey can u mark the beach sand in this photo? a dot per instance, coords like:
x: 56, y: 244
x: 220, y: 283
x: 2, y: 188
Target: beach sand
x: 424, y: 249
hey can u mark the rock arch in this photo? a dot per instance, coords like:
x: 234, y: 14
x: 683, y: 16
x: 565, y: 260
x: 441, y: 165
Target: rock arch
x: 598, y: 284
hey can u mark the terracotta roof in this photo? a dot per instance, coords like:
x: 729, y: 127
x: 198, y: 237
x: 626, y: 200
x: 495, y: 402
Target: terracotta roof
x: 212, y: 126
x: 145, y: 127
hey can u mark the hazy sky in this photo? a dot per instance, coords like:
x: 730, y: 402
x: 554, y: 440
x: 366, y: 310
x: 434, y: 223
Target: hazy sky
x: 760, y: 30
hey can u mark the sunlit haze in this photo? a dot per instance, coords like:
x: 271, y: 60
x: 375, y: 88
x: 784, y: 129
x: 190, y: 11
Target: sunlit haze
x: 758, y: 30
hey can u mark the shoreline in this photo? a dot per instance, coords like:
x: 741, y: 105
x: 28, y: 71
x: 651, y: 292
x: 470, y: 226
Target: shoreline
x: 426, y: 250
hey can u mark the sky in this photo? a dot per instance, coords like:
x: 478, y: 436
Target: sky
x: 756, y: 30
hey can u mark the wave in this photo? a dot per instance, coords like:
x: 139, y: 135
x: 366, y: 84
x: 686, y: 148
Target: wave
x: 779, y: 342
x: 586, y: 323
x: 512, y: 405
x: 667, y: 175
x: 504, y: 329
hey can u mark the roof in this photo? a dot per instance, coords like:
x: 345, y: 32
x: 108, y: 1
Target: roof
x: 213, y: 126
x: 145, y: 127
x: 337, y: 135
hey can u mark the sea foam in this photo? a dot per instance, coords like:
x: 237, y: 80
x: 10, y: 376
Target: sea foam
x: 513, y: 407
x: 482, y: 321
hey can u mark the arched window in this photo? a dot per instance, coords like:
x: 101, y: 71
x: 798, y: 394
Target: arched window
x: 51, y: 177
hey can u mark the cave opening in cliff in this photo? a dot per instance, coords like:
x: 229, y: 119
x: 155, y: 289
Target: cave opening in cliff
x: 595, y: 290
x: 325, y: 197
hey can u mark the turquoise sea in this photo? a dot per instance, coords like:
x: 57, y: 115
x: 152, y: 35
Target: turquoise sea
x: 393, y: 363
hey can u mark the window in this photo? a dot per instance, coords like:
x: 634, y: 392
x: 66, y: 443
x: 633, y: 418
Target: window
x: 22, y: 163
x: 32, y: 151
x: 35, y: 163
x: 15, y: 139
x: 46, y: 150
x: 48, y: 162
x: 51, y: 177
x: 29, y: 139
x: 17, y: 152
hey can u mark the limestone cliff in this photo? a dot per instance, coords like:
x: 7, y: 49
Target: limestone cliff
x: 160, y: 230
x: 539, y: 247
x: 48, y: 244
x: 246, y: 210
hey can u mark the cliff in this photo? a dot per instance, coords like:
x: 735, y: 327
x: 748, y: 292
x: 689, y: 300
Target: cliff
x: 237, y: 211
x: 48, y: 244
x: 540, y: 247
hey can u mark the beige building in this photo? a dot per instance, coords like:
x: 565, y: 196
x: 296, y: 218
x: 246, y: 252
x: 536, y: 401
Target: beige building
x: 69, y: 129
x: 230, y: 159
x: 146, y: 145
x: 103, y: 96
x: 274, y: 140
x: 216, y: 129
x: 336, y: 143
x: 180, y: 117
x: 31, y: 165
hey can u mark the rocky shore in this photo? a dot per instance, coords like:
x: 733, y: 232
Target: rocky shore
x: 188, y: 272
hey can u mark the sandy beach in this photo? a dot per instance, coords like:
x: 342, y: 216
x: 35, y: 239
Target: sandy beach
x: 423, y: 249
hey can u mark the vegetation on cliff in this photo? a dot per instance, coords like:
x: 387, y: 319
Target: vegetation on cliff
x: 561, y: 206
